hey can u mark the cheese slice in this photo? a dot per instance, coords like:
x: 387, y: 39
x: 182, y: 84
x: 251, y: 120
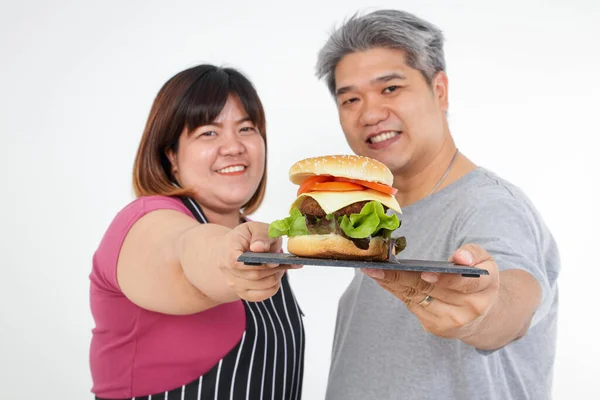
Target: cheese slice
x: 333, y: 201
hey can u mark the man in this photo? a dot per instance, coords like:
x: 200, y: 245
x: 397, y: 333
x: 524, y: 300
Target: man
x: 409, y: 335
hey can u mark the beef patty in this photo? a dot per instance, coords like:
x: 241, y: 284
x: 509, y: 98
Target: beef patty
x: 311, y: 208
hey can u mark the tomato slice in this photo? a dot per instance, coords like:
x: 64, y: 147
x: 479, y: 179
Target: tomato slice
x: 328, y: 183
x: 336, y: 186
x: 321, y: 185
x: 308, y: 183
x: 380, y: 187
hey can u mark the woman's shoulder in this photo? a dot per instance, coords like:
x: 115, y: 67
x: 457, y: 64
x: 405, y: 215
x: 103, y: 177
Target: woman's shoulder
x: 106, y: 255
x: 127, y: 216
x: 144, y: 204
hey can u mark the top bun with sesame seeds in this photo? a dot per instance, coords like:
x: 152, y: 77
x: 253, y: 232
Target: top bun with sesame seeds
x: 344, y: 166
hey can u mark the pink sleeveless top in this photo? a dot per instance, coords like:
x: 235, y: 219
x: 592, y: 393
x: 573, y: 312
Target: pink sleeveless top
x: 135, y: 351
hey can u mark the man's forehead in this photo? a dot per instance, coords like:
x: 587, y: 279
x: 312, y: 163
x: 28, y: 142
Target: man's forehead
x: 370, y: 67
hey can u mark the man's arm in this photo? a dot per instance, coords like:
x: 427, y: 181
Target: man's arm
x: 509, y: 317
x: 486, y: 312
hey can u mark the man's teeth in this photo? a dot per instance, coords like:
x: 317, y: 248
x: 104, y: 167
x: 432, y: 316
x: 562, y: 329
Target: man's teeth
x: 383, y: 136
x: 228, y: 170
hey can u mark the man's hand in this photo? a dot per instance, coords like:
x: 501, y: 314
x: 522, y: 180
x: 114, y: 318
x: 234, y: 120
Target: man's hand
x: 448, y: 305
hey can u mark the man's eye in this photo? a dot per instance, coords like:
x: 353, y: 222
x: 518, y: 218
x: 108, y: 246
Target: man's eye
x: 349, y: 101
x: 390, y: 89
x: 248, y: 129
x: 209, y: 133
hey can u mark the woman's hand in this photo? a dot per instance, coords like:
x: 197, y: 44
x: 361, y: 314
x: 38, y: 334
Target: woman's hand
x: 251, y: 283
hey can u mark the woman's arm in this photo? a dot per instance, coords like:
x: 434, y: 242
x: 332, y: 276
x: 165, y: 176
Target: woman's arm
x: 172, y: 264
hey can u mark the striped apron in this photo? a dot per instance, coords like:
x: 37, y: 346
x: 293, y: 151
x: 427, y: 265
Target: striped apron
x: 267, y: 362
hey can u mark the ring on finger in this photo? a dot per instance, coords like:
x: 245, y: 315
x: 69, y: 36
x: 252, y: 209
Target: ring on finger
x: 426, y: 301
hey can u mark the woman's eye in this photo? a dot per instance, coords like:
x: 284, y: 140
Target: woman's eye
x: 390, y: 89
x: 209, y: 133
x: 248, y: 129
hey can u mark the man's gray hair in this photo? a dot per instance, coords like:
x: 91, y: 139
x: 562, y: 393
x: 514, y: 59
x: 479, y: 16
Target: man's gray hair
x: 422, y: 42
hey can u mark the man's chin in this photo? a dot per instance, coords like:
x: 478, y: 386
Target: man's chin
x: 385, y: 155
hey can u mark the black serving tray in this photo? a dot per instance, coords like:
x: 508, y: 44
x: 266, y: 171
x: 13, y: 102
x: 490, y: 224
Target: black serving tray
x: 251, y: 258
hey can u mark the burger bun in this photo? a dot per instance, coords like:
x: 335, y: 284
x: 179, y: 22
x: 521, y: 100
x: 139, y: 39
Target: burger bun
x: 336, y: 247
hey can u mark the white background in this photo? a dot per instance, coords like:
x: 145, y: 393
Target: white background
x: 76, y: 83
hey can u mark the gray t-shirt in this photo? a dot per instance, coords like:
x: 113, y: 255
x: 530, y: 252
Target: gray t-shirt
x: 380, y: 349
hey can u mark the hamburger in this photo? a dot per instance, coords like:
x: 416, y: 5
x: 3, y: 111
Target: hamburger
x: 341, y: 209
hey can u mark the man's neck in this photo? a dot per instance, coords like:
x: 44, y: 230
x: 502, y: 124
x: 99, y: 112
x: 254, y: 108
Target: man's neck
x: 417, y: 184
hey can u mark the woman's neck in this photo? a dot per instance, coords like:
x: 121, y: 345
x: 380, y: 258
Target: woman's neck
x: 230, y: 219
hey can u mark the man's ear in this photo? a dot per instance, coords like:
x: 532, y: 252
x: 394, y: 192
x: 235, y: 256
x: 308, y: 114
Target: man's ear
x: 440, y: 89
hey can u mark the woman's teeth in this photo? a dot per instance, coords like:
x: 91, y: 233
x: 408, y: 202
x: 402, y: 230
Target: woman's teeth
x: 383, y: 136
x: 228, y: 170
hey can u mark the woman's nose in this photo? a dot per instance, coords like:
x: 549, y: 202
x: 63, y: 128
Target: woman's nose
x: 232, y: 145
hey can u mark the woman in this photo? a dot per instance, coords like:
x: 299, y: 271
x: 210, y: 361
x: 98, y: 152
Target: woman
x: 176, y: 315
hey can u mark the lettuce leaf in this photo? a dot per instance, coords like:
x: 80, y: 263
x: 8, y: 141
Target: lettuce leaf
x: 371, y: 219
x: 294, y: 225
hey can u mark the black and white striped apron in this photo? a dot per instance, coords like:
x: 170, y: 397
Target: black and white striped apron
x: 267, y: 363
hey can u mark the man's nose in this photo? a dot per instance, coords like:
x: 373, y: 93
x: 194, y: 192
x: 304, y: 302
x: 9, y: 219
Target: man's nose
x: 373, y: 112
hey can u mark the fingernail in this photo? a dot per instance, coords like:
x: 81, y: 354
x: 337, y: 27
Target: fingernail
x: 374, y: 273
x: 261, y: 243
x: 467, y: 256
x: 429, y: 277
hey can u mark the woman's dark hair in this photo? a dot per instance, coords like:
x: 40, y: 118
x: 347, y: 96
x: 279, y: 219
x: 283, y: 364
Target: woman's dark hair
x: 192, y: 98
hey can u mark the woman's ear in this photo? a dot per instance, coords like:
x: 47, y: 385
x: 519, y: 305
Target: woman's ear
x: 172, y: 156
